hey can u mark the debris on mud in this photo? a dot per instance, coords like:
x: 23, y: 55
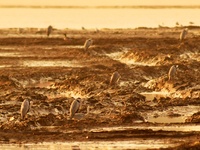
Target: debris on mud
x: 195, y: 118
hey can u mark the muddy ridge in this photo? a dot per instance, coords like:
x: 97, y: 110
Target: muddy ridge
x: 52, y: 72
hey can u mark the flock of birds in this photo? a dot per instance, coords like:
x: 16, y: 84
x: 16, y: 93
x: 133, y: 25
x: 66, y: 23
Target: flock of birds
x: 87, y: 43
x: 173, y: 70
x: 76, y: 104
x: 74, y: 107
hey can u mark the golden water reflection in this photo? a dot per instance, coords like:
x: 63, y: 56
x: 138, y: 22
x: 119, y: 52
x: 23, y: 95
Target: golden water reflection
x: 97, y: 145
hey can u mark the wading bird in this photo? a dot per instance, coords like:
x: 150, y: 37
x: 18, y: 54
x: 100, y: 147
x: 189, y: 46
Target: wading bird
x: 65, y: 36
x: 114, y: 78
x: 49, y: 30
x: 74, y: 107
x: 172, y: 72
x: 88, y: 43
x: 25, y: 107
x: 183, y: 34
x: 80, y: 116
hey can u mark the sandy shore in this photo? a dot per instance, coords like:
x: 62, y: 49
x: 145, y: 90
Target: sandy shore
x: 52, y: 72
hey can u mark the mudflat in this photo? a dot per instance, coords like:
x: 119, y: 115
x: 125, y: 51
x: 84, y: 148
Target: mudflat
x: 53, y: 71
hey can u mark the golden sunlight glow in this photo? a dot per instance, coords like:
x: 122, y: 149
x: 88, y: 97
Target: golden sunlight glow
x: 99, y: 3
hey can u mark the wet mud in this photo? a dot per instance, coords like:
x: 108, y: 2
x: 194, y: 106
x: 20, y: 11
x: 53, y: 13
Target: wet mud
x: 52, y: 72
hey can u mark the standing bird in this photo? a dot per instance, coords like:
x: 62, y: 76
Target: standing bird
x: 49, y: 30
x: 114, y: 78
x: 88, y: 43
x: 183, y: 34
x: 65, y: 36
x: 25, y: 107
x: 80, y: 116
x: 172, y: 72
x: 75, y: 105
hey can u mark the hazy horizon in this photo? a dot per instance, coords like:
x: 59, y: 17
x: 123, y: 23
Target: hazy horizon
x: 98, y: 14
x: 99, y: 3
x: 104, y: 6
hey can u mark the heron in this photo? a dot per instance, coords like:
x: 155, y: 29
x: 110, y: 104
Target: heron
x: 114, y: 78
x: 79, y: 116
x: 74, y: 107
x: 65, y: 36
x: 49, y: 30
x: 172, y: 72
x: 88, y: 43
x: 183, y: 34
x: 25, y: 107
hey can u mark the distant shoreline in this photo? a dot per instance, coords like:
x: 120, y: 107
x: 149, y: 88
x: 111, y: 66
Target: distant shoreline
x: 107, y: 7
x: 94, y: 29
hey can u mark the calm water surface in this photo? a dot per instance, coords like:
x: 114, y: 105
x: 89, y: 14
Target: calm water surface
x: 136, y: 143
x: 98, y: 145
x: 96, y: 17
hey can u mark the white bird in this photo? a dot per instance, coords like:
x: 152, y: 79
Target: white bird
x: 25, y: 107
x: 79, y: 116
x: 183, y: 34
x: 74, y: 107
x: 49, y: 30
x: 88, y: 43
x: 172, y: 72
x: 114, y: 78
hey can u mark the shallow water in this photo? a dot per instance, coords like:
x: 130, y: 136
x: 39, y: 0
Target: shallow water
x: 176, y: 114
x: 152, y: 95
x: 5, y: 66
x: 50, y: 63
x: 136, y: 126
x: 96, y: 18
x: 97, y: 145
x: 8, y: 48
x: 166, y: 119
x: 10, y: 54
x: 172, y: 127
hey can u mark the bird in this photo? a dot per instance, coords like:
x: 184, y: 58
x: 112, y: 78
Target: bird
x: 74, y: 107
x: 79, y: 116
x: 25, y: 107
x: 49, y: 30
x: 65, y: 36
x: 88, y: 43
x: 172, y: 72
x: 183, y: 34
x: 114, y: 78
